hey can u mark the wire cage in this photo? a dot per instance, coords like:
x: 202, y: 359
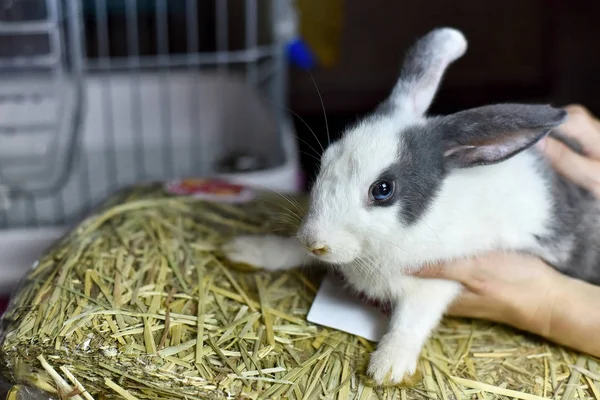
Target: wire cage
x: 101, y: 94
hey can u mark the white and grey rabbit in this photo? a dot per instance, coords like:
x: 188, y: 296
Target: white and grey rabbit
x: 400, y: 190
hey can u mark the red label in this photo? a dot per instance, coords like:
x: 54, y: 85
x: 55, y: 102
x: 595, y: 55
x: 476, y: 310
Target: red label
x: 211, y: 189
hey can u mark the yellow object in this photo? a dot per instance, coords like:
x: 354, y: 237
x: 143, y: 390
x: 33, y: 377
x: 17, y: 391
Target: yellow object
x: 320, y: 25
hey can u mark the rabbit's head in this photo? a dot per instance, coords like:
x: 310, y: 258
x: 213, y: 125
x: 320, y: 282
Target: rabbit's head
x: 381, y: 180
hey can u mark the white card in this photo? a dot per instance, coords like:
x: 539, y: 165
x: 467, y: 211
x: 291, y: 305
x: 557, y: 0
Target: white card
x: 335, y: 307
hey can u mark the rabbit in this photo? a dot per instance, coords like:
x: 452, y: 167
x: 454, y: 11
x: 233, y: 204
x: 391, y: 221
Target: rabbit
x: 401, y: 190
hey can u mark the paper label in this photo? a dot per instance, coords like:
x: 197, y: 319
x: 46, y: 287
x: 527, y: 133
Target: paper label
x: 216, y: 190
x: 336, y: 307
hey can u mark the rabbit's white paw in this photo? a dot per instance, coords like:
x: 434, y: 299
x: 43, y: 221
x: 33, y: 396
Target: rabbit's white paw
x: 393, y: 360
x: 269, y: 252
x: 246, y: 250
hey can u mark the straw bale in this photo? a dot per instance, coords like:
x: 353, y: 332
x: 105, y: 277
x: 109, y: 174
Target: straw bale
x: 138, y: 303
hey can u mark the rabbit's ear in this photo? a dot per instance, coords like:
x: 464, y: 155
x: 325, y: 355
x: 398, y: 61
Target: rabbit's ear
x: 423, y: 69
x: 491, y: 134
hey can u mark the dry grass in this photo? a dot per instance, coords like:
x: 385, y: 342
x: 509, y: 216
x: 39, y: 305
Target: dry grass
x: 137, y: 303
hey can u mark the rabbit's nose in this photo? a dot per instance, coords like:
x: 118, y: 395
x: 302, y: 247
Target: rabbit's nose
x: 307, y: 235
x: 319, y: 250
x: 317, y: 247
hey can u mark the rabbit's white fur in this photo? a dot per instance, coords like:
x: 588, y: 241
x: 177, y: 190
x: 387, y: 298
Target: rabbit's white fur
x: 378, y: 250
x: 371, y: 246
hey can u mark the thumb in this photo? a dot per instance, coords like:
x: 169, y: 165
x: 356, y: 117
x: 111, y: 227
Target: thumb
x: 579, y: 169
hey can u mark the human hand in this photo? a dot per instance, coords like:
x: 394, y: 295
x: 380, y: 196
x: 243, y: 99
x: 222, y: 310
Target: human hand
x: 583, y: 170
x: 510, y: 288
x: 522, y: 291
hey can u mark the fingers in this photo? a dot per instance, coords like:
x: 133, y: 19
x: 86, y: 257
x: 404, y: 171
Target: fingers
x: 584, y: 170
x: 469, y: 305
x: 459, y: 270
x: 582, y: 126
x: 579, y: 169
x: 474, y: 305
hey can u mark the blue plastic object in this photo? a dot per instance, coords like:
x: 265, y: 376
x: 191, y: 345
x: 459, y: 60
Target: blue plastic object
x: 300, y: 54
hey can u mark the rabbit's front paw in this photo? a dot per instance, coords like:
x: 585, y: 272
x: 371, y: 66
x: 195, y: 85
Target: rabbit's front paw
x: 246, y: 250
x: 394, y: 360
x: 268, y: 252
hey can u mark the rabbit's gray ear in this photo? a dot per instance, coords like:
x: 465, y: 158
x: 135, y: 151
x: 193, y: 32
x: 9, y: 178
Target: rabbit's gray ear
x: 423, y: 69
x: 491, y: 134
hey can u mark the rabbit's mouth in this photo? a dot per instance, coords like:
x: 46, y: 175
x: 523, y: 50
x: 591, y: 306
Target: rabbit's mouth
x: 334, y: 254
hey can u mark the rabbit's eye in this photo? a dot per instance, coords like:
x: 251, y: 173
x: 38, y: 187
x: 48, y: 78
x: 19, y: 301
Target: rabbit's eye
x: 381, y: 190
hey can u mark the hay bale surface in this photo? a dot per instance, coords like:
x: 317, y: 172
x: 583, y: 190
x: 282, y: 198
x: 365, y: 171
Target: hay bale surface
x: 137, y: 303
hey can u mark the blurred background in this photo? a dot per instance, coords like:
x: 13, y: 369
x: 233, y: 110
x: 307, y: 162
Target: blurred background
x: 97, y: 95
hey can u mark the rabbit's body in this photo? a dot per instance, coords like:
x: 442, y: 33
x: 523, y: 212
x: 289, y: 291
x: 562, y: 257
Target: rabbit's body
x: 401, y: 190
x: 573, y: 244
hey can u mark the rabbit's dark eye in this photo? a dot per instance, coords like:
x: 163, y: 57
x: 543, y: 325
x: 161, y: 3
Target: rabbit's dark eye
x: 381, y: 190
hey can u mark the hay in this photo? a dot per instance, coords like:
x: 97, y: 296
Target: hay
x: 137, y: 303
